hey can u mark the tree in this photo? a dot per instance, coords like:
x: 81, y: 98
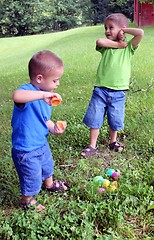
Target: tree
x: 21, y: 17
x: 69, y: 13
x: 147, y: 1
x: 102, y: 8
x: 125, y: 7
x: 86, y: 9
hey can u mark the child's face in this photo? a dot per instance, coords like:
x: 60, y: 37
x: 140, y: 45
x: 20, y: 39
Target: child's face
x: 51, y: 82
x: 111, y: 30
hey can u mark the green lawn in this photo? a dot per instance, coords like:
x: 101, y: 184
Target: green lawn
x: 82, y: 213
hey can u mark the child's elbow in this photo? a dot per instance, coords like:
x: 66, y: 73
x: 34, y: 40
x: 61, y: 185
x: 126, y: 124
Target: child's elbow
x: 15, y: 96
x: 99, y: 42
x: 141, y: 32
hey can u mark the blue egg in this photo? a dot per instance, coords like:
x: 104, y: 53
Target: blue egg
x: 110, y: 171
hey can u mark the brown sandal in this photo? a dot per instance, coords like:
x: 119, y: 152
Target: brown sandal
x: 27, y: 204
x: 57, y: 186
x: 89, y: 151
x: 117, y: 147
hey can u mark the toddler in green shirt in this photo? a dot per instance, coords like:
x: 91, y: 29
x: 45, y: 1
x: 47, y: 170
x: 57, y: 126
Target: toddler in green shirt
x: 112, y: 81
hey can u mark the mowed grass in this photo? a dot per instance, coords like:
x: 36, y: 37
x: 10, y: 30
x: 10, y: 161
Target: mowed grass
x: 82, y: 213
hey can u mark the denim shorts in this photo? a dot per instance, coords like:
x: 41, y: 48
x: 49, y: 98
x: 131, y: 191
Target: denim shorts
x: 32, y: 168
x: 104, y: 102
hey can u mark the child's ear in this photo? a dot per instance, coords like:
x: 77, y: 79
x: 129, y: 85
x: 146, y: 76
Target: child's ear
x: 39, y: 78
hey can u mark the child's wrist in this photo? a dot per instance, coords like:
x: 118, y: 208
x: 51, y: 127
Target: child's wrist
x: 52, y: 130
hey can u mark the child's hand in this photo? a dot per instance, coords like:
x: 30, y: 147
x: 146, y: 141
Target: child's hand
x: 47, y: 97
x: 121, y: 36
x: 122, y: 44
x: 59, y: 127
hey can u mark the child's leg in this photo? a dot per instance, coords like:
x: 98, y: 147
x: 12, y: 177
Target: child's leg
x: 113, y: 135
x: 48, y: 182
x: 94, y: 132
x: 92, y: 148
x: 115, y: 116
x: 94, y: 119
x: 47, y: 172
x: 114, y: 145
x: 29, y: 169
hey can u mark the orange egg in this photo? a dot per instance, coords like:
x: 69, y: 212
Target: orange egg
x: 114, y: 183
x: 61, y: 124
x: 55, y: 101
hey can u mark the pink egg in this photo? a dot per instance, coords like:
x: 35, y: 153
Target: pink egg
x: 101, y: 190
x: 115, y: 175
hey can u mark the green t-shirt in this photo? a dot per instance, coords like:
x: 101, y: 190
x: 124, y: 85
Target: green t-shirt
x: 115, y: 67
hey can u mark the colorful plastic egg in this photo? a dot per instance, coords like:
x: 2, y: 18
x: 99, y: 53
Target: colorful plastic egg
x: 106, y: 183
x: 98, y: 179
x: 113, y: 186
x: 115, y: 175
x: 101, y: 190
x: 110, y: 171
x: 55, y: 101
x: 114, y: 183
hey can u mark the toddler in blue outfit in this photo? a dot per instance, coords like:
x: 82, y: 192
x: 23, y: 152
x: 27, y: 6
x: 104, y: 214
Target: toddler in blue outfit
x: 31, y: 125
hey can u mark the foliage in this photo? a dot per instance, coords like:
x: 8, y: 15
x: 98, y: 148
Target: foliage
x: 70, y: 14
x: 102, y: 8
x: 21, y: 17
x: 18, y: 18
x: 81, y: 213
x: 147, y: 1
x: 125, y: 7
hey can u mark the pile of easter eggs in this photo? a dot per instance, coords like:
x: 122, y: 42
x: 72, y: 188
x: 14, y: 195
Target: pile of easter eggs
x: 105, y: 184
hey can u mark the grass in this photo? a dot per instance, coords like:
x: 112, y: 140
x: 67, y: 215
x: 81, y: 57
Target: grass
x: 81, y: 213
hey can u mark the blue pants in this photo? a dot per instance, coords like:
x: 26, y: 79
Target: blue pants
x: 32, y: 168
x: 108, y: 102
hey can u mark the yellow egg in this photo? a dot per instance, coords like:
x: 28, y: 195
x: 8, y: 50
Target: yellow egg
x: 106, y: 183
x: 113, y: 186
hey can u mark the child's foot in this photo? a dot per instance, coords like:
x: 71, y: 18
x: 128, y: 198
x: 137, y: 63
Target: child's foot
x: 117, y: 147
x: 57, y: 186
x: 29, y: 203
x: 89, y: 151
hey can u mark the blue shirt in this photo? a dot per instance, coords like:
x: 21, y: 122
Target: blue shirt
x: 29, y: 123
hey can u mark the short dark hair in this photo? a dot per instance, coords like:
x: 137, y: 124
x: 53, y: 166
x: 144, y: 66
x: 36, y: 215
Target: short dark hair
x: 43, y: 62
x: 118, y: 18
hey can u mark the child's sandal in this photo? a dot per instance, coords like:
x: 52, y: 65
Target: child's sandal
x: 27, y: 204
x: 89, y: 151
x: 117, y: 147
x: 57, y: 186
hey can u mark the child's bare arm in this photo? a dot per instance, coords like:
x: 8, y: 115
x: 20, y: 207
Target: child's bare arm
x: 54, y: 128
x: 107, y: 43
x: 24, y: 96
x: 138, y: 33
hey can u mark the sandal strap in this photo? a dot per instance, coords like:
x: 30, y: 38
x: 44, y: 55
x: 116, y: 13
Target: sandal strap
x: 26, y: 204
x: 116, y: 146
x: 89, y: 151
x: 58, y: 186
